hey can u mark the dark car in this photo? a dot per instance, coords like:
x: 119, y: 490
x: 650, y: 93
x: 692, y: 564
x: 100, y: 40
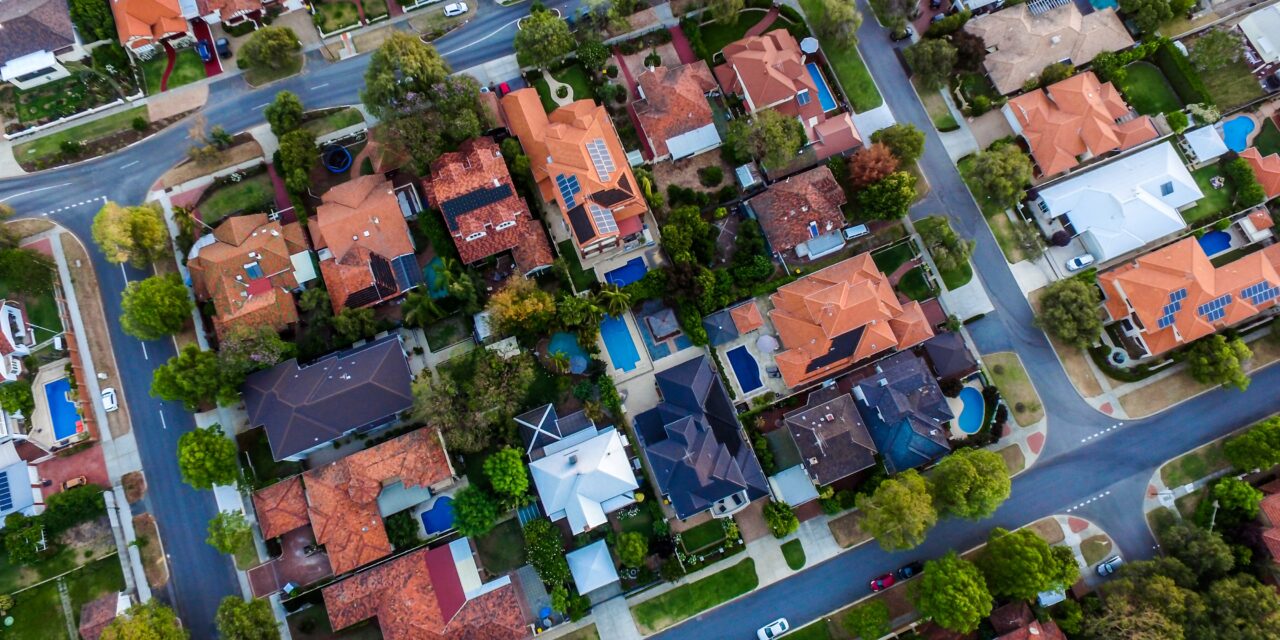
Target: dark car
x: 883, y: 582
x: 910, y: 571
x: 223, y: 47
x: 202, y: 48
x: 905, y: 34
x: 935, y: 4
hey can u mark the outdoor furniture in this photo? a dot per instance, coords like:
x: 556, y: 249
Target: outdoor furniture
x: 773, y: 372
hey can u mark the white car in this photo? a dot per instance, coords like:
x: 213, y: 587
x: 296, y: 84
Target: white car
x: 455, y: 9
x: 1109, y: 566
x: 1079, y: 262
x: 109, y: 402
x: 773, y: 629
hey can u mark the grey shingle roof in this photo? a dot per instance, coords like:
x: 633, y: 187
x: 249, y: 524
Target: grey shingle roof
x: 833, y: 440
x: 28, y: 26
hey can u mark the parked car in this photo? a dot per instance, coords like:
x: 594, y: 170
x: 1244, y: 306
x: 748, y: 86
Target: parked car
x: 937, y: 17
x: 883, y: 582
x: 202, y: 48
x: 109, y: 401
x: 906, y: 34
x: 910, y: 571
x: 1109, y: 566
x: 1079, y: 262
x: 75, y: 482
x: 455, y: 9
x: 935, y: 4
x: 223, y: 47
x: 503, y: 89
x: 773, y: 629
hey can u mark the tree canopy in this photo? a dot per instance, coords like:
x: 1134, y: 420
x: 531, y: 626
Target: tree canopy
x: 269, y: 48
x: 905, y: 140
x: 195, y: 378
x: 474, y: 512
x: 245, y: 349
x: 1003, y: 173
x: 284, y: 114
x: 136, y: 235
x: 150, y: 621
x: 506, y: 472
x: 768, y: 135
x: 1204, y: 552
x: 1217, y: 359
x: 543, y: 38
x: 900, y: 512
x: 239, y: 619
x: 207, y: 457
x: 890, y: 198
x: 1147, y: 15
x: 970, y: 483
x: 839, y: 22
x: 156, y: 307
x: 1217, y: 48
x: 1257, y: 448
x: 932, y: 61
x: 1069, y: 312
x: 424, y: 125
x: 546, y: 551
x: 16, y: 397
x: 633, y: 546
x: 781, y: 518
x: 871, y: 164
x: 298, y: 154
x: 229, y: 531
x: 521, y: 308
x: 470, y: 405
x: 952, y: 592
x: 1020, y: 564
x: 402, y: 65
x: 868, y: 620
x: 93, y: 19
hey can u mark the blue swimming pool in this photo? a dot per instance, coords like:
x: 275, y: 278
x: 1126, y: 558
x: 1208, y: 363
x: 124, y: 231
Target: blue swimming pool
x: 432, y: 275
x: 1235, y: 132
x: 617, y: 340
x: 970, y: 420
x: 567, y: 344
x: 633, y: 270
x: 439, y: 517
x: 66, y: 422
x: 1215, y: 242
x: 1099, y: 5
x: 745, y: 369
x: 824, y: 92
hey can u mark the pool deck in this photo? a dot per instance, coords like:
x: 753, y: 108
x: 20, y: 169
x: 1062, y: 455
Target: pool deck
x: 41, y: 424
x: 643, y: 366
x: 765, y: 360
x: 957, y: 406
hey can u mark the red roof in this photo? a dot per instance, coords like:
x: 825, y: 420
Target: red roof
x: 788, y: 208
x: 281, y: 507
x: 1266, y: 168
x: 675, y: 103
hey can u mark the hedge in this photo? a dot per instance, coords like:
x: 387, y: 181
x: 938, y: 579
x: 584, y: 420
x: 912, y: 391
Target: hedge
x: 1182, y: 77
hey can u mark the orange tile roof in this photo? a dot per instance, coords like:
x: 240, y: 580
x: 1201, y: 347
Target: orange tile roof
x: 229, y: 8
x: 1147, y: 286
x: 746, y: 317
x: 1270, y: 507
x: 787, y: 207
x: 143, y: 22
x: 342, y: 497
x: 281, y: 507
x: 766, y: 70
x: 557, y: 145
x: 355, y: 220
x: 1267, y: 169
x: 840, y: 315
x: 1074, y: 117
x: 220, y: 272
x: 675, y: 103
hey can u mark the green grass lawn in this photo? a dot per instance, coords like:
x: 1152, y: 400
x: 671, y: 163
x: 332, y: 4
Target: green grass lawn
x: 1147, y: 90
x: 246, y: 556
x: 37, y: 614
x: 94, y: 580
x: 47, y: 147
x: 915, y: 285
x: 42, y: 311
x: 1215, y: 201
x: 1194, y: 465
x: 974, y: 84
x: 573, y: 75
x: 718, y: 34
x: 888, y: 260
x: 582, y: 280
x: 61, y: 98
x: 849, y: 67
x: 682, y: 602
x: 1011, y: 379
x: 250, y: 195
x: 187, y: 68
x: 502, y: 549
x: 340, y: 119
x: 952, y: 278
x: 1094, y: 549
x: 1232, y: 85
x: 446, y: 331
x: 1268, y: 140
x: 702, y: 536
x: 258, y: 76
x: 374, y: 9
x: 793, y: 551
x: 936, y: 106
x: 641, y: 522
x: 331, y: 16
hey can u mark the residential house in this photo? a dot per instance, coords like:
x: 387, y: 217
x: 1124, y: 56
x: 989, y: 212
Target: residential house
x: 1270, y: 508
x: 430, y: 594
x: 144, y: 24
x: 303, y: 407
x: 38, y: 38
x: 363, y: 243
x: 835, y: 317
x: 949, y: 356
x: 1124, y: 204
x: 769, y: 71
x: 96, y: 614
x: 16, y: 340
x: 1262, y: 31
x: 594, y: 571
x: 584, y: 478
x: 727, y: 325
x: 19, y: 484
x: 1076, y: 120
x: 1266, y: 168
x: 578, y: 162
x: 249, y: 268
x: 1174, y: 296
x: 473, y: 191
x: 230, y: 12
x: 695, y: 446
x: 673, y: 113
x: 832, y: 438
x: 1015, y: 621
x: 801, y: 214
x: 542, y: 428
x: 1024, y: 39
x: 905, y: 411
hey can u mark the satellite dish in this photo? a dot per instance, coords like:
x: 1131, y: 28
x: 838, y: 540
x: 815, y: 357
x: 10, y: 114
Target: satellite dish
x: 809, y: 45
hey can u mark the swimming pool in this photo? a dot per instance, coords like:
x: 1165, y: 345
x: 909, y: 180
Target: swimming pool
x: 633, y: 270
x: 970, y: 420
x: 439, y: 517
x: 62, y: 413
x: 1215, y: 242
x: 1099, y: 5
x: 1235, y: 132
x: 824, y: 92
x: 433, y: 275
x: 617, y: 340
x: 745, y: 369
x: 567, y: 344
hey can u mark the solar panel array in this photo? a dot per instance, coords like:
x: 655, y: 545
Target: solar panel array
x: 601, y: 159
x: 1260, y: 293
x: 1174, y: 306
x: 1215, y: 309
x: 603, y: 218
x: 569, y: 188
x: 6, y: 496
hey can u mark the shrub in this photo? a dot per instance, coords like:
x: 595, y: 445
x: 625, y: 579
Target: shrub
x: 1177, y: 121
x: 710, y: 176
x: 979, y: 106
x: 948, y: 25
x: 1182, y: 77
x: 781, y: 519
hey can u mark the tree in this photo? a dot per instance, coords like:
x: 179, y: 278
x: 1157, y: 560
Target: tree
x: 1204, y: 552
x: 402, y: 65
x: 229, y: 532
x: 725, y: 10
x: 1020, y: 564
x: 420, y: 309
x: 156, y: 307
x: 246, y: 349
x: 136, y: 235
x: 284, y: 114
x: 1177, y: 120
x: 1029, y: 239
x: 195, y: 378
x: 905, y: 140
x: 952, y: 592
x: 93, y: 20
x: 768, y: 135
x: 239, y: 619
x: 1147, y: 15
x: 1237, y: 502
x: 839, y: 23
x: 970, y: 483
x: 506, y: 472
x: 1055, y: 72
x: 1257, y: 448
x: 900, y: 512
x: 315, y: 300
x: 26, y: 271
x: 545, y: 549
x: 1218, y: 359
x: 632, y: 548
x: 424, y: 125
x: 207, y: 457
x: 1002, y: 172
x: 868, y: 621
x: 1121, y: 618
x: 1069, y: 312
x: 931, y: 61
x: 15, y: 397
x: 581, y: 315
x: 521, y: 308
x: 298, y: 154
x: 543, y: 38
x: 355, y: 324
x: 474, y: 512
x: 613, y: 300
x: 592, y: 54
x: 150, y: 621
x: 469, y: 409
x: 871, y: 164
x: 688, y: 238
x: 1217, y: 48
x: 781, y: 519
x: 890, y: 198
x: 1248, y: 190
x: 269, y: 48
x: 1239, y: 608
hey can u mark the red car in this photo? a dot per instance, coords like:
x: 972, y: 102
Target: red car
x: 883, y: 582
x: 503, y: 89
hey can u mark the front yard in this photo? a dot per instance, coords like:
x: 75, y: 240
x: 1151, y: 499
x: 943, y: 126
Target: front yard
x: 573, y: 75
x: 937, y: 108
x: 1001, y: 226
x: 849, y: 67
x: 61, y: 98
x: 915, y: 285
x: 42, y: 311
x: 49, y: 147
x: 1215, y: 201
x: 251, y: 195
x: 187, y: 68
x: 688, y: 600
x: 1147, y: 90
x: 334, y: 121
x: 332, y: 15
x: 1193, y: 465
x: 1011, y: 379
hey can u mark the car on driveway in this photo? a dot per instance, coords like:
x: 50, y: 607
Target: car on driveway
x: 1079, y: 262
x: 109, y: 401
x: 223, y: 47
x: 202, y: 48
x: 905, y: 34
x: 883, y: 582
x: 910, y: 571
x: 455, y: 9
x: 1109, y: 566
x: 773, y: 629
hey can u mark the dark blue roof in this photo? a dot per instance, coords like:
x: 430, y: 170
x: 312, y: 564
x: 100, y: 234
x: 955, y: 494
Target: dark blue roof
x: 905, y: 411
x: 720, y: 327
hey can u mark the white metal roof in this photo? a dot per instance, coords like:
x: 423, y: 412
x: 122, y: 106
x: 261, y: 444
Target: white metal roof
x: 692, y: 142
x: 1262, y: 28
x: 586, y: 481
x: 592, y: 567
x: 29, y: 63
x: 1205, y: 143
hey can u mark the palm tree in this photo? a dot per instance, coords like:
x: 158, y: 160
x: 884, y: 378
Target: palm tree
x: 613, y: 300
x: 560, y: 362
x: 420, y: 310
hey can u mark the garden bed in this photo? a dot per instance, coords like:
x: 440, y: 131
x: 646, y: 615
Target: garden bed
x: 333, y: 16
x: 333, y: 120
x: 573, y: 75
x: 1147, y: 90
x: 61, y: 98
x: 582, y: 280
x: 688, y: 600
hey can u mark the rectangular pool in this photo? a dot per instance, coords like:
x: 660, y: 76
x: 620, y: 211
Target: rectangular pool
x: 633, y: 270
x: 62, y: 413
x: 617, y: 340
x: 824, y: 92
x: 745, y: 369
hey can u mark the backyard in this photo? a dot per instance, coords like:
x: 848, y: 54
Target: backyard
x: 1147, y: 90
x: 680, y: 603
x: 973, y: 84
x: 1232, y: 85
x: 49, y: 147
x: 1215, y: 200
x: 573, y: 75
x: 42, y: 311
x: 331, y: 16
x: 502, y: 549
x: 187, y: 68
x: 1011, y: 379
x: 582, y: 280
x: 63, y: 97
x: 849, y: 67
x: 889, y: 259
x: 1268, y: 139
x: 38, y: 612
x: 915, y: 285
x: 447, y: 331
x: 251, y: 195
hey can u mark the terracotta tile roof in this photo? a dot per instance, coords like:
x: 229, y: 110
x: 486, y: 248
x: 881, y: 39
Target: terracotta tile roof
x: 1267, y: 169
x: 247, y: 273
x: 746, y: 317
x: 1076, y: 117
x: 416, y: 597
x: 834, y: 135
x: 1181, y: 275
x: 534, y: 251
x: 1011, y: 616
x: 342, y: 497
x: 1261, y: 220
x: 788, y: 207
x: 1035, y: 630
x: 96, y: 614
x: 1271, y: 538
x: 839, y: 315
x: 30, y: 26
x: 1270, y: 507
x: 143, y: 22
x: 356, y: 221
x: 559, y: 146
x: 767, y: 70
x: 675, y: 103
x: 281, y: 507
x: 229, y: 8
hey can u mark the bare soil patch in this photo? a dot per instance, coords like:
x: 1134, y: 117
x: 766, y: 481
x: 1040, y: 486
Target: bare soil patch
x: 188, y: 170
x: 153, y: 562
x: 846, y: 531
x: 135, y: 486
x: 1013, y: 458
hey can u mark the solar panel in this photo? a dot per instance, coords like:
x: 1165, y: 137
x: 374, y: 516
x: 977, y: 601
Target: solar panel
x: 600, y: 157
x: 6, y: 497
x: 1172, y: 308
x: 471, y: 201
x: 1260, y: 292
x: 569, y: 187
x: 1164, y: 321
x: 1213, y: 305
x: 1178, y: 295
x: 1216, y: 314
x: 603, y: 218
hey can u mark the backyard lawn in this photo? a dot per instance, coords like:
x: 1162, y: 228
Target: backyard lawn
x: 340, y: 119
x: 186, y: 69
x: 1215, y: 201
x: 848, y: 66
x: 502, y: 549
x: 915, y: 285
x: 937, y: 108
x: 1147, y: 90
x: 42, y: 311
x: 888, y: 260
x: 1232, y: 85
x: 665, y: 610
x: 718, y: 34
x: 250, y: 195
x: 574, y: 76
x: 1014, y: 385
x: 37, y: 613
x: 793, y: 552
x: 1268, y: 140
x: 332, y: 16
x: 974, y: 84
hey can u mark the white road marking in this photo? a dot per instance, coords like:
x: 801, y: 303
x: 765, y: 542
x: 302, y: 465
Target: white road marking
x: 72, y: 206
x: 144, y: 350
x: 1103, y: 432
x: 261, y: 106
x: 130, y: 164
x: 162, y: 422
x: 319, y: 86
x: 23, y: 193
x: 1086, y: 502
x: 476, y: 42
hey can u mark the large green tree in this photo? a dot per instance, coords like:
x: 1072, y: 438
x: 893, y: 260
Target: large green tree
x: 1237, y: 502
x: 950, y: 252
x: 1122, y: 618
x: 156, y: 307
x: 229, y: 532
x: 1069, y: 312
x: 1239, y: 608
x: 150, y: 621
x: 900, y: 512
x: 1218, y: 359
x: 542, y: 39
x: 545, y: 550
x: 16, y: 397
x: 298, y: 154
x: 688, y: 238
x: 1241, y: 176
x: 506, y: 473
x: 403, y: 64
x: 839, y: 22
x: 890, y: 198
x: 1020, y: 564
x: 195, y: 378
x: 269, y: 48
x: 868, y: 620
x: 1203, y: 551
x: 136, y: 235
x: 932, y: 61
x: 207, y: 457
x: 1003, y: 173
x: 1147, y: 15
x: 246, y: 349
x: 1217, y: 48
x: 284, y: 114
x: 952, y: 593
x: 240, y: 619
x: 632, y: 546
x: 355, y: 324
x: 905, y: 140
x: 1257, y: 448
x: 93, y: 19
x: 424, y: 125
x: 970, y: 483
x: 469, y: 409
x: 474, y: 512
x: 768, y: 135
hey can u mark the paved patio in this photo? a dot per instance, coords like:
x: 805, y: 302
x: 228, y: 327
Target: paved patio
x: 293, y: 566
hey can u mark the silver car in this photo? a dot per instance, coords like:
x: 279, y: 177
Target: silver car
x: 1109, y: 566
